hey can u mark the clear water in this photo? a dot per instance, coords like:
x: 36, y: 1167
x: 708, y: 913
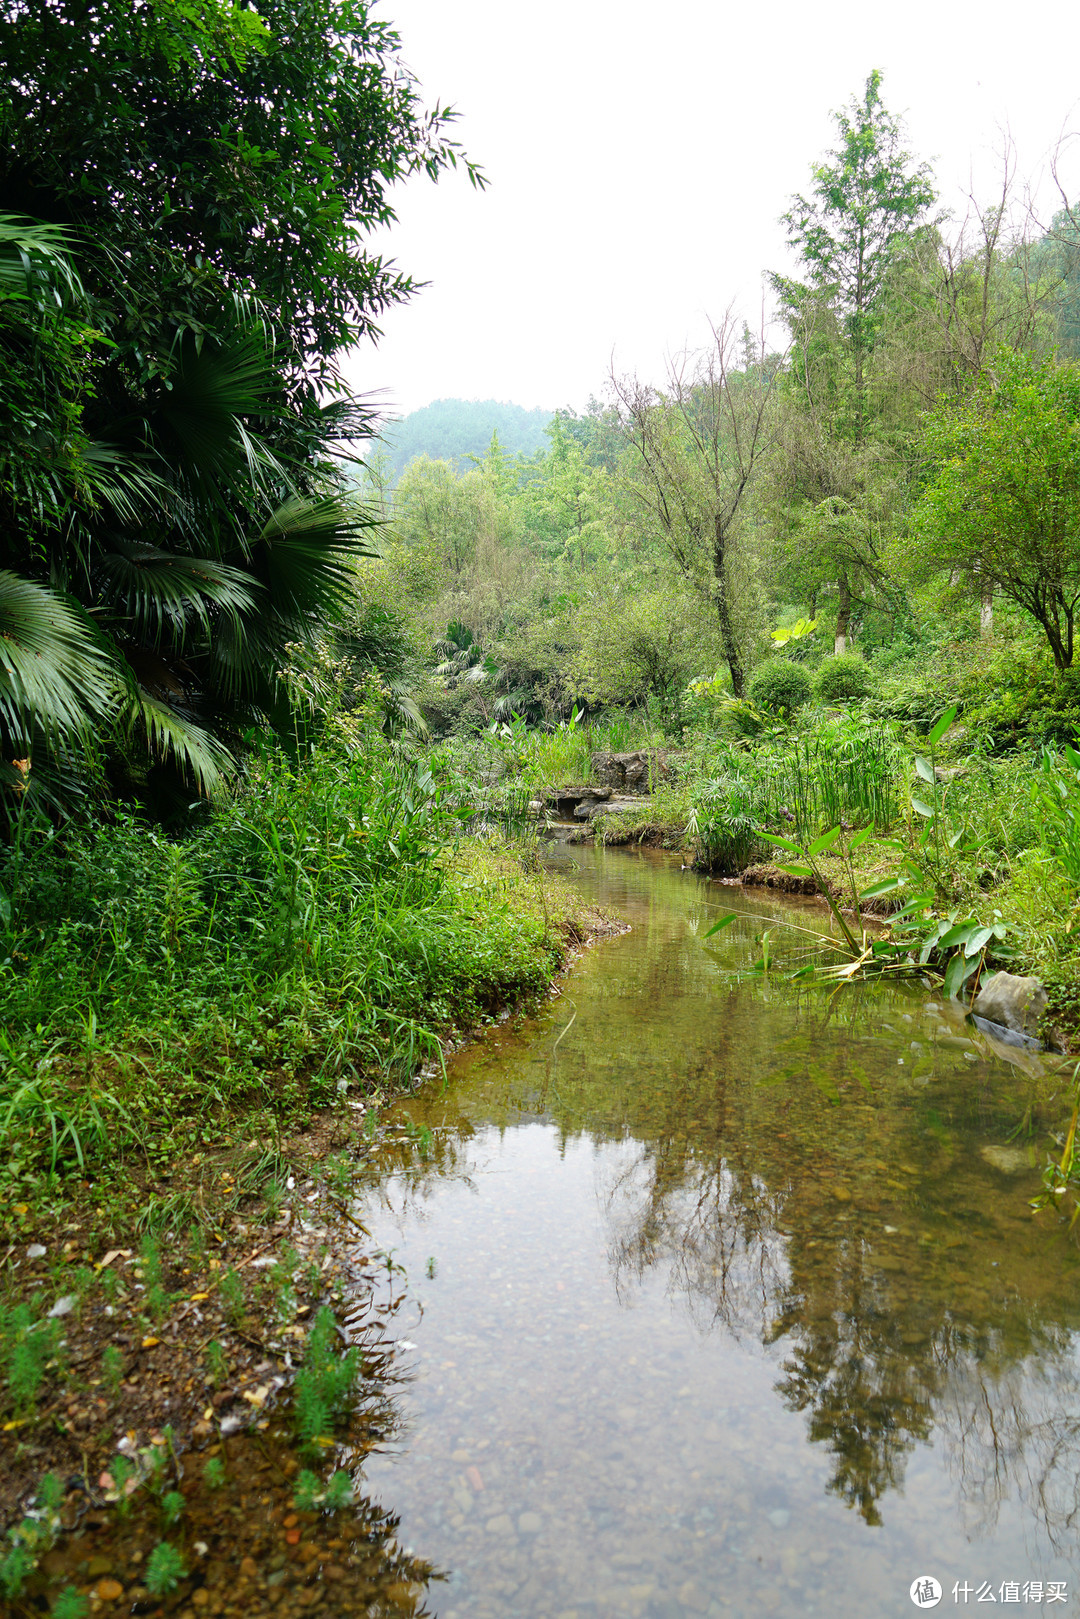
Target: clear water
x: 728, y: 1298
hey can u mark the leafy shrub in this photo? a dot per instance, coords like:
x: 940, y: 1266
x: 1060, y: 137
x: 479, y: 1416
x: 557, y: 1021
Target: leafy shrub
x: 842, y: 677
x: 780, y: 686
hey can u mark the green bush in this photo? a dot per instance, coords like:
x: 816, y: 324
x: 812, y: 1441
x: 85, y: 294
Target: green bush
x: 780, y: 686
x: 843, y: 676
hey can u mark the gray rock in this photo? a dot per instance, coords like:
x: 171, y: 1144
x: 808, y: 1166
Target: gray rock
x: 630, y: 772
x: 1016, y: 1003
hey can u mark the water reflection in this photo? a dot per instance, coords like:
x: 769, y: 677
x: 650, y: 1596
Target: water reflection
x: 811, y: 1195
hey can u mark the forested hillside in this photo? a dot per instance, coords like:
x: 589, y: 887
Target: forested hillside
x: 455, y: 429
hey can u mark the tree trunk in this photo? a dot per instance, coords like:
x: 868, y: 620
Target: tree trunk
x: 843, y: 619
x: 986, y: 613
x: 723, y: 611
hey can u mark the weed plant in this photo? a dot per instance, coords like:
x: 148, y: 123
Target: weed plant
x: 325, y: 1382
x: 317, y: 929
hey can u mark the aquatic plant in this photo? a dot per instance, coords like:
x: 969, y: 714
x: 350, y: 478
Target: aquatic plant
x: 164, y: 1570
x: 325, y: 1382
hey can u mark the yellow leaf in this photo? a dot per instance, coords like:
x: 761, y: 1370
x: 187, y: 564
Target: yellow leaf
x: 22, y: 1208
x: 197, y: 1298
x: 148, y: 1343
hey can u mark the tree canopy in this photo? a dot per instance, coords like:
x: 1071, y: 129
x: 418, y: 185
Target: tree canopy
x: 185, y: 192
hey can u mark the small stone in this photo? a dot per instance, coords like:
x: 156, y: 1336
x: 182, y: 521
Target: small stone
x: 98, y: 1566
x: 200, y: 1598
x: 64, y: 1306
x: 501, y: 1524
x: 780, y: 1518
x: 109, y: 1590
x: 36, y: 1250
x: 249, y: 1568
x: 841, y: 1194
x: 530, y: 1523
x: 693, y: 1597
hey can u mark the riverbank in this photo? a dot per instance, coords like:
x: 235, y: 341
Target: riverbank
x: 924, y: 822
x: 202, y: 1037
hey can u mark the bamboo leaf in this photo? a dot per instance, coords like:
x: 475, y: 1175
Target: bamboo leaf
x: 942, y: 725
x: 781, y: 843
x: 922, y: 809
x: 721, y: 922
x: 825, y: 841
x: 860, y: 838
x: 797, y: 871
x: 925, y: 769
x: 888, y: 886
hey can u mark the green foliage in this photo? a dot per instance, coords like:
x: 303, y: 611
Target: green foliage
x: 214, y: 1472
x: 325, y: 1383
x: 172, y: 507
x: 1003, y: 502
x: 172, y: 1506
x: 27, y: 1344
x: 780, y: 686
x: 164, y: 1570
x: 71, y: 1604
x: 112, y: 1368
x: 843, y: 677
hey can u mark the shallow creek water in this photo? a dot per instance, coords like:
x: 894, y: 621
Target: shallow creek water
x: 729, y: 1299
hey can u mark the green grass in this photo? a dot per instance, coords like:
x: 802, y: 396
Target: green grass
x: 319, y: 930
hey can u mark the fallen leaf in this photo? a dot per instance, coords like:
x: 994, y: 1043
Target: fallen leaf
x: 114, y: 1253
x: 148, y: 1343
x: 197, y: 1298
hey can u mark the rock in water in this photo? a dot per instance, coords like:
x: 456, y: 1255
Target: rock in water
x: 1015, y: 1003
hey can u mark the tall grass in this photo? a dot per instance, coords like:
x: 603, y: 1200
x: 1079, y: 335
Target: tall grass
x: 317, y: 926
x: 845, y: 770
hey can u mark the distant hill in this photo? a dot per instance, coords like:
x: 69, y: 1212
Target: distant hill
x: 453, y: 429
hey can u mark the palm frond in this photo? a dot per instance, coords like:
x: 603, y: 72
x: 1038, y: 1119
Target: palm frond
x: 33, y: 252
x: 308, y: 549
x: 174, y: 736
x: 53, y: 670
x: 164, y: 590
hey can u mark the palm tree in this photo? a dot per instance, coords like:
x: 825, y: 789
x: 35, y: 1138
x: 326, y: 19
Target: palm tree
x: 161, y: 554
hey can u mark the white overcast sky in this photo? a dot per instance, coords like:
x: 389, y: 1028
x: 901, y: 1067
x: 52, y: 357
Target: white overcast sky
x: 640, y: 157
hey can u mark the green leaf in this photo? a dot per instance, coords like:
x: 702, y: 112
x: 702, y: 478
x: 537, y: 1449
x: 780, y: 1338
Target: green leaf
x: 888, y: 886
x: 942, y: 726
x: 925, y: 769
x: 957, y: 974
x: 860, y: 838
x: 960, y: 934
x: 922, y: 809
x: 979, y: 939
x: 781, y: 843
x: 721, y: 922
x: 797, y: 871
x: 825, y: 841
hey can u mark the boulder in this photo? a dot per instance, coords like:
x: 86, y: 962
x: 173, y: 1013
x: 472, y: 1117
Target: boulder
x: 630, y: 772
x: 1016, y: 1003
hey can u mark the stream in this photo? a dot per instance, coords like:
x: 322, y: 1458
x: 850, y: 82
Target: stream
x: 728, y: 1296
x: 703, y: 1292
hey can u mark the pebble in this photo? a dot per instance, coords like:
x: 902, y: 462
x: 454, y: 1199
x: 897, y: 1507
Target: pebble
x: 780, y: 1518
x: 530, y: 1523
x: 501, y: 1524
